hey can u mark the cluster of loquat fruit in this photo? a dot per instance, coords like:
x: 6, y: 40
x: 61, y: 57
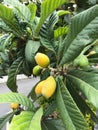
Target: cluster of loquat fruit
x: 45, y: 87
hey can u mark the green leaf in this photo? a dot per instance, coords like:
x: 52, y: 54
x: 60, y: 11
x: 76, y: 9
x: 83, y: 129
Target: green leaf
x: 23, y: 11
x: 89, y: 91
x: 60, y: 31
x: 7, y: 15
x: 5, y: 119
x: 30, y: 50
x: 63, y: 12
x: 60, y: 40
x: 93, y: 58
x: 12, y: 97
x: 51, y: 108
x: 4, y: 27
x: 27, y: 68
x: 36, y: 121
x: 27, y: 120
x: 81, y: 33
x: 89, y: 77
x: 70, y: 113
x: 46, y: 32
x: 2, y: 40
x: 52, y: 124
x: 13, y: 71
x: 92, y: 70
x: 8, y: 41
x: 32, y: 7
x: 47, y: 7
x: 81, y: 103
x: 92, y: 2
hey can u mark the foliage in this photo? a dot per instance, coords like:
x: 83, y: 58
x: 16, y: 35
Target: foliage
x: 62, y: 33
x: 32, y: 123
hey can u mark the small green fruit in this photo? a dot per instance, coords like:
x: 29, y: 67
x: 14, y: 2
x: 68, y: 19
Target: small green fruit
x: 81, y: 61
x: 37, y: 70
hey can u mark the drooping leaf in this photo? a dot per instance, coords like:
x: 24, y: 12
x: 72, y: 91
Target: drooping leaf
x: 81, y: 103
x: 23, y: 11
x: 27, y: 120
x: 12, y: 97
x: 89, y: 77
x: 81, y: 33
x: 70, y: 113
x: 14, y: 70
x: 47, y: 7
x: 5, y: 119
x: 88, y: 90
x: 30, y: 50
x: 47, y: 34
x: 7, y: 15
x: 52, y: 124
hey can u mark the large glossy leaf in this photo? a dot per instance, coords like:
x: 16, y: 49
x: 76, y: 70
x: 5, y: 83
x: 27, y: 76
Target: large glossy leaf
x: 47, y: 32
x: 14, y: 69
x: 7, y: 15
x: 30, y: 50
x: 23, y: 11
x: 17, y: 98
x: 47, y: 7
x: 89, y: 91
x: 89, y: 77
x: 81, y: 33
x: 6, y: 118
x: 70, y: 113
x: 27, y: 120
x: 80, y: 101
x: 52, y: 124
